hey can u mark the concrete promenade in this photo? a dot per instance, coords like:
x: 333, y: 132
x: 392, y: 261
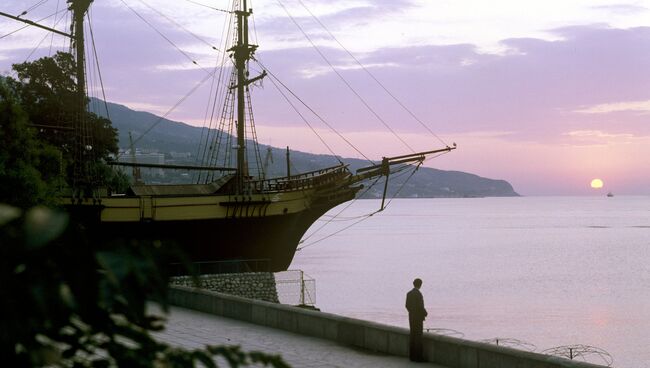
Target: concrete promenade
x: 339, y: 331
x: 193, y: 329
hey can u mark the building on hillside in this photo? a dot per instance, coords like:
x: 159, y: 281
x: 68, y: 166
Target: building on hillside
x: 144, y: 158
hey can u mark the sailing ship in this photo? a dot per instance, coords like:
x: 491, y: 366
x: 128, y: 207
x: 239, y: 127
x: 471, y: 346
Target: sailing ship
x: 234, y: 215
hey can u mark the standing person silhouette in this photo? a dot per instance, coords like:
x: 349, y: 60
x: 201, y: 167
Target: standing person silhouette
x: 417, y: 314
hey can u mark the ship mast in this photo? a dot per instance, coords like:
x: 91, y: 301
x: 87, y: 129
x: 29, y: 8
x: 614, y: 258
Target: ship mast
x: 242, y: 53
x: 82, y: 147
x: 79, y: 9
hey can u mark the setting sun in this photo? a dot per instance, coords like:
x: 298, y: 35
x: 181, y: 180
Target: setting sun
x: 596, y: 183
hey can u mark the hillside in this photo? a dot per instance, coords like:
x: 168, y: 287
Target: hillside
x: 171, y: 136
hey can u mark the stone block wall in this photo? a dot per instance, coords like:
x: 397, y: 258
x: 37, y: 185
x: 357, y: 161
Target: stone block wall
x: 252, y: 285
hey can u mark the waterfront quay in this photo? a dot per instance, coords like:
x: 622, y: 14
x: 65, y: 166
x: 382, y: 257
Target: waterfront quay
x: 309, y: 338
x: 192, y: 329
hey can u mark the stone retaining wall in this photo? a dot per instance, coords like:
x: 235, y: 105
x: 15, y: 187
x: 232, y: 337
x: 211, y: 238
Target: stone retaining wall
x: 252, y: 285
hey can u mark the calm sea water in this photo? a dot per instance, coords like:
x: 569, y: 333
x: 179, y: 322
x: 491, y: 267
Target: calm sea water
x: 549, y: 271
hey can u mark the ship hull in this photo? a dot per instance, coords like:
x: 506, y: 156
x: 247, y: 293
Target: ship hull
x: 264, y: 228
x: 264, y: 243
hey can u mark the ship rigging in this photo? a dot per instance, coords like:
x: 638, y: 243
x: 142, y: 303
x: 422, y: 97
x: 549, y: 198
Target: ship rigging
x: 228, y: 213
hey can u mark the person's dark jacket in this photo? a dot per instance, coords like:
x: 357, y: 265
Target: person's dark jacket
x: 415, y: 305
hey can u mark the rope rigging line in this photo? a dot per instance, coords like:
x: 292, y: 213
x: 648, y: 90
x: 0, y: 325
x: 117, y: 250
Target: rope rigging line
x: 33, y: 7
x: 203, y: 147
x: 215, y: 137
x: 180, y: 26
x: 215, y: 91
x: 208, y: 6
x: 363, y: 217
x: 94, y: 78
x: 209, y: 74
x: 304, y: 119
x: 165, y: 37
x: 178, y: 103
x: 257, y: 39
x: 313, y: 112
x: 56, y: 21
x: 226, y: 127
x: 435, y: 156
x: 294, y: 170
x: 205, y: 120
x: 83, y: 170
x: 398, y: 101
x: 402, y: 186
x: 225, y: 130
x: 91, y: 89
x: 67, y: 25
x: 91, y: 77
x: 28, y: 25
x: 43, y: 40
x: 341, y: 218
x: 336, y: 215
x: 288, y: 100
x: 99, y: 71
x: 252, y: 134
x: 338, y: 231
x: 363, y: 101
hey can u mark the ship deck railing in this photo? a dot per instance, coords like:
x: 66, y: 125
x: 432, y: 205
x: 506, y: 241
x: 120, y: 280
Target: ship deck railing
x: 312, y: 179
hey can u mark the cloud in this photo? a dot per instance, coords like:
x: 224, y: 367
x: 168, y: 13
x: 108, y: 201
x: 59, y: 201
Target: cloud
x: 599, y: 135
x: 535, y: 91
x: 339, y: 18
x: 317, y: 71
x: 623, y: 9
x: 368, y: 12
x: 430, y: 56
x: 633, y: 106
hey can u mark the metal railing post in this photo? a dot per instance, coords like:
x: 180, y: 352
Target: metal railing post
x: 302, y: 287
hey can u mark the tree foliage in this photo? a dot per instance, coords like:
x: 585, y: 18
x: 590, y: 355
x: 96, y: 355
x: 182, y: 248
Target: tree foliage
x: 28, y: 168
x: 47, y: 92
x: 69, y: 303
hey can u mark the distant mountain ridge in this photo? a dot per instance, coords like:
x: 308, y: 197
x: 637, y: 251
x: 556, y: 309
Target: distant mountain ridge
x: 171, y: 136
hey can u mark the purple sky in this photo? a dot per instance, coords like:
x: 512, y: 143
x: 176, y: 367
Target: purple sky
x: 547, y: 103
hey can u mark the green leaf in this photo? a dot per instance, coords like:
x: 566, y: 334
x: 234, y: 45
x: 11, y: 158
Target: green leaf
x: 66, y: 295
x: 8, y: 213
x: 115, y: 265
x: 204, y: 358
x: 43, y: 225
